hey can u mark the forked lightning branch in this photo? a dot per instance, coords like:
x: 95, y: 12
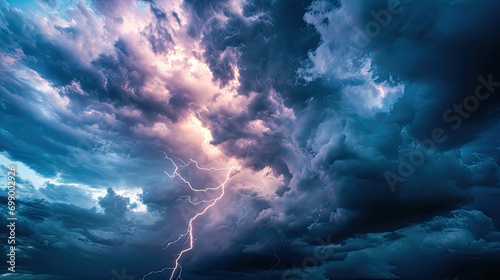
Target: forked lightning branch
x: 11, y: 219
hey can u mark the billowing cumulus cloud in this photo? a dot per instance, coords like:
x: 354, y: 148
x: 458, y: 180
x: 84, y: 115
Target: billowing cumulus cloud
x: 333, y: 139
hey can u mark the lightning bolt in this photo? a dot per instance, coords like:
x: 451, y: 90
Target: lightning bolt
x: 276, y: 257
x: 211, y: 202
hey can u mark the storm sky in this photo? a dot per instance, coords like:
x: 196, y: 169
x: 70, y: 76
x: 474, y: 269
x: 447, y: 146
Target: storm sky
x: 362, y: 138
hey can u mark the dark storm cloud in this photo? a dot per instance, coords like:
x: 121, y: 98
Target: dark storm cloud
x: 440, y: 234
x: 64, y: 239
x: 69, y: 110
x: 266, y: 43
x: 426, y: 97
x: 228, y: 130
x: 437, y: 44
x: 112, y: 85
x: 366, y: 166
x: 329, y: 116
x: 114, y: 204
x: 336, y: 147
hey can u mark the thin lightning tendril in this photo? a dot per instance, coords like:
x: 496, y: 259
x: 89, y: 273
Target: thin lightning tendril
x: 189, y: 231
x: 276, y: 257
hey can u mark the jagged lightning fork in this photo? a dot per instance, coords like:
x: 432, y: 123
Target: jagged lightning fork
x: 189, y: 231
x: 276, y: 257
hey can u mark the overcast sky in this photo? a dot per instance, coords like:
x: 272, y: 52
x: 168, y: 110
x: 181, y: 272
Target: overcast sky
x: 337, y: 139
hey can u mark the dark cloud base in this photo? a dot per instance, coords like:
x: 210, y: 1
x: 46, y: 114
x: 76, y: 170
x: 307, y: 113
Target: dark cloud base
x: 85, y: 103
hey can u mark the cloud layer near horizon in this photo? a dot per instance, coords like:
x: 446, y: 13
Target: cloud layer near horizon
x: 314, y: 114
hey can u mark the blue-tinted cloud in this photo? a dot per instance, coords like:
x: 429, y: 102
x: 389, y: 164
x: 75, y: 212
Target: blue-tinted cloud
x: 314, y: 101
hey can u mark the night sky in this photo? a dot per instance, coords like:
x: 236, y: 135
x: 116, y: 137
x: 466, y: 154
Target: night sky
x: 251, y: 139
